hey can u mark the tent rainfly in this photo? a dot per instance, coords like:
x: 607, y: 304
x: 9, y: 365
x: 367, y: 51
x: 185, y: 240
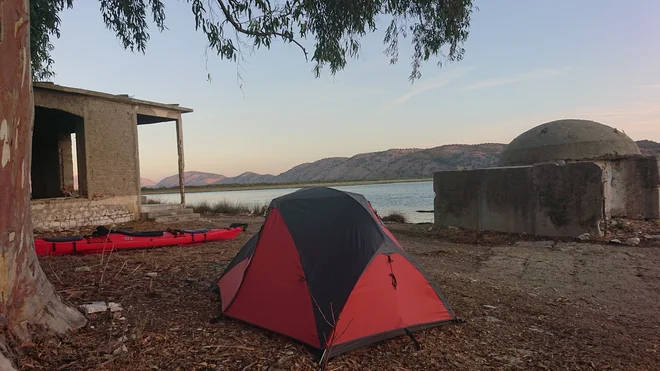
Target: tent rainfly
x: 325, y: 271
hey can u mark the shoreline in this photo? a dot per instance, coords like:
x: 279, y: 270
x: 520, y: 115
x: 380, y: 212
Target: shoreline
x: 253, y: 187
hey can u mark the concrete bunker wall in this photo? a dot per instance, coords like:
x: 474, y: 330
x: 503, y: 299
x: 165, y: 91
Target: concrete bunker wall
x: 634, y: 187
x: 548, y: 199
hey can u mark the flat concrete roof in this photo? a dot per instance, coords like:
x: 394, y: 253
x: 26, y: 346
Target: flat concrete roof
x: 148, y: 109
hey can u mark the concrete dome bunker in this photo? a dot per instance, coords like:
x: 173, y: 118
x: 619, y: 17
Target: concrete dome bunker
x: 568, y: 140
x: 562, y: 178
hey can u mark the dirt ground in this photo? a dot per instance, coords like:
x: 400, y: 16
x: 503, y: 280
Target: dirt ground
x: 523, y: 303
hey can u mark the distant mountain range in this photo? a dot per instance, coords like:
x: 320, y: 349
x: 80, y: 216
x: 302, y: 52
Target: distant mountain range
x: 391, y: 164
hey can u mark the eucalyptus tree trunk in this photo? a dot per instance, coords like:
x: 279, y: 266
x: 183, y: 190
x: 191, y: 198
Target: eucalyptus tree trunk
x: 26, y: 295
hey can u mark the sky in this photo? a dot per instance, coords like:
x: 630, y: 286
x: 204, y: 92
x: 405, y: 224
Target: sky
x: 526, y: 63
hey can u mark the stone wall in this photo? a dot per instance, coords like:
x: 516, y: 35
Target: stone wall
x: 57, y: 214
x: 548, y: 199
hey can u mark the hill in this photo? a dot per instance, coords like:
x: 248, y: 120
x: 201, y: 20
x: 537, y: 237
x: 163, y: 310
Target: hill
x: 193, y: 178
x: 247, y: 177
x: 649, y: 147
x: 147, y: 183
x: 390, y: 164
x: 407, y: 163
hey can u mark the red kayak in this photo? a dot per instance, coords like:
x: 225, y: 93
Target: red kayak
x: 105, y: 240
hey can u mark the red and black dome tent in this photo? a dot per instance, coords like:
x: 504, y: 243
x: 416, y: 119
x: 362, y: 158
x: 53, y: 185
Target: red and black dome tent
x: 325, y: 271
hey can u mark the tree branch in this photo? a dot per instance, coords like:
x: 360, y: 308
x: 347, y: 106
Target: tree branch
x: 238, y: 27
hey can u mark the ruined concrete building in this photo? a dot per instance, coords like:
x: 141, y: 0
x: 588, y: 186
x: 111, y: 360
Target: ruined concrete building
x: 561, y: 178
x: 104, y: 130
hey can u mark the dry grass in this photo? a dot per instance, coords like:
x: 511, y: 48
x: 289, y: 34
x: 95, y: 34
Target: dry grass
x: 395, y: 217
x: 154, y: 201
x: 529, y: 306
x: 229, y: 208
x: 220, y: 207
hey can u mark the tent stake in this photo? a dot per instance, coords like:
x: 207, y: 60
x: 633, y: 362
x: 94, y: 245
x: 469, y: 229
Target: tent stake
x: 419, y: 347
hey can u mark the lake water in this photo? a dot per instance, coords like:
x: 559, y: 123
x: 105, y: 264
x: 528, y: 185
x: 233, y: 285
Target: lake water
x: 405, y: 198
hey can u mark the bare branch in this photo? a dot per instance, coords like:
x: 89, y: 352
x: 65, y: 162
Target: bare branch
x: 237, y: 26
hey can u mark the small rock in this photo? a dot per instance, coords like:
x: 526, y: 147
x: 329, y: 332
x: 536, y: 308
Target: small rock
x: 652, y: 236
x: 114, y: 307
x: 122, y: 318
x: 121, y: 349
x: 632, y: 241
x: 94, y: 307
x: 492, y: 319
x: 615, y: 241
x: 83, y: 269
x: 535, y: 244
x: 123, y: 339
x: 584, y: 236
x: 489, y: 307
x: 430, y: 229
x: 151, y: 274
x: 538, y: 330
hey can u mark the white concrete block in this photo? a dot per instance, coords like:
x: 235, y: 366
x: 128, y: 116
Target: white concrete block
x: 95, y: 307
x: 114, y: 307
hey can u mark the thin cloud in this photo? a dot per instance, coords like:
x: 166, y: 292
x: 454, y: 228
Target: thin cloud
x: 630, y: 110
x: 523, y: 77
x: 338, y: 94
x: 364, y: 93
x: 653, y: 86
x: 639, y: 119
x: 440, y: 81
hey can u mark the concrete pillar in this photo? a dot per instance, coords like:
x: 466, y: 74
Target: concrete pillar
x: 179, y: 147
x: 66, y: 163
x: 81, y: 153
